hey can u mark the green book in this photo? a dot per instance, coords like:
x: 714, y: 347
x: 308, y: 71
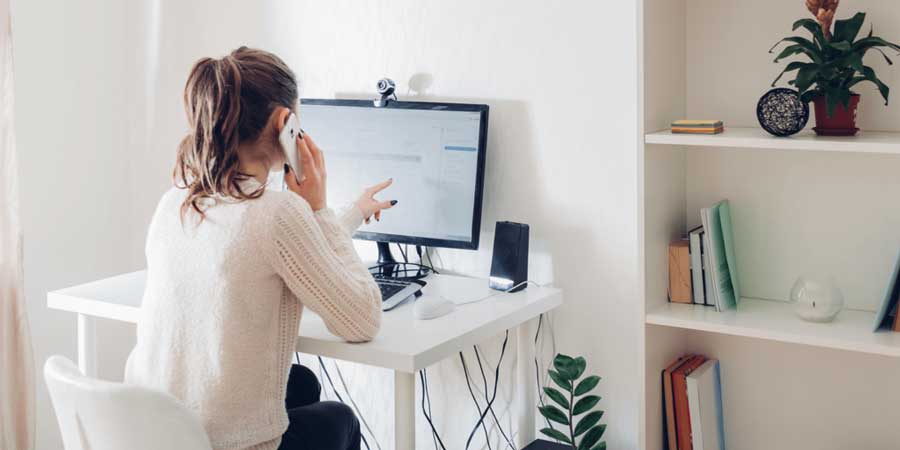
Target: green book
x: 719, y: 236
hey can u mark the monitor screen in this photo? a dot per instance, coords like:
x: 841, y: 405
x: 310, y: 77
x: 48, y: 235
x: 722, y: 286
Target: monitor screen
x: 435, y: 153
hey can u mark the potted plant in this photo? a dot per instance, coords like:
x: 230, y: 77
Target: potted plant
x: 833, y: 66
x: 572, y: 401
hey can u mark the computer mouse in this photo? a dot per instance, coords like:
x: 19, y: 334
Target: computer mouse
x: 431, y: 307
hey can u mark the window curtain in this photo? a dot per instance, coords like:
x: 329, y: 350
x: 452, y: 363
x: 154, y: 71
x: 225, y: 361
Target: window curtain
x: 16, y: 361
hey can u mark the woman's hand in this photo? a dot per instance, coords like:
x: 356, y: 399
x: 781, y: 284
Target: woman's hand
x: 369, y: 206
x: 312, y: 186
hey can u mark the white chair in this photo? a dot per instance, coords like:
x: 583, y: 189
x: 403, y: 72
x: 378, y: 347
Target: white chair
x: 101, y: 415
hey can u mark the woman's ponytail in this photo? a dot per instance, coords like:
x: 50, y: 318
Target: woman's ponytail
x: 227, y: 101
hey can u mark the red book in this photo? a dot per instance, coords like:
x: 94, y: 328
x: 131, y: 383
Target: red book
x: 682, y: 411
x: 671, y: 434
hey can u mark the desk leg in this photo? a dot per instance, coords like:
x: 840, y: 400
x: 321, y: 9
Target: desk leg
x: 526, y: 388
x: 404, y: 410
x: 87, y: 345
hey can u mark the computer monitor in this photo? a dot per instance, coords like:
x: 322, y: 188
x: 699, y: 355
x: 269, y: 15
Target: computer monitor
x: 435, y: 153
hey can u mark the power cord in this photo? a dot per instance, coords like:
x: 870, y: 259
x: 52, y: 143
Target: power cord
x: 362, y: 418
x: 427, y: 394
x: 493, y: 395
x: 423, y: 377
x: 493, y: 414
x: 537, y: 371
x: 338, y: 395
x: 487, y: 437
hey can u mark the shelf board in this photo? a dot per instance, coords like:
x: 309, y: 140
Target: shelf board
x: 863, y: 142
x: 776, y: 321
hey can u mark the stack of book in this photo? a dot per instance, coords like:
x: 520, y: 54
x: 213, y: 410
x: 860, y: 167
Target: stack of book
x: 692, y: 390
x: 698, y: 126
x: 703, y: 265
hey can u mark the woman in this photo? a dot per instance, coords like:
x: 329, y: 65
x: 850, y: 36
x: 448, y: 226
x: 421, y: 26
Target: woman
x: 231, y: 265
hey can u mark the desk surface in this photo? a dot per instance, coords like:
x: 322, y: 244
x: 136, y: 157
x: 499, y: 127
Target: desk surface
x: 404, y: 343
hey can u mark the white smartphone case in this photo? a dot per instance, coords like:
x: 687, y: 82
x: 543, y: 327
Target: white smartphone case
x: 288, y: 140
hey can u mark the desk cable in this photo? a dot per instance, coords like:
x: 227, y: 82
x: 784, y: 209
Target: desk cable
x: 490, y: 403
x: 349, y: 397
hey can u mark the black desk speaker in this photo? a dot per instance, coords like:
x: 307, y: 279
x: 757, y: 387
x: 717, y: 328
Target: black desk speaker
x: 509, y: 264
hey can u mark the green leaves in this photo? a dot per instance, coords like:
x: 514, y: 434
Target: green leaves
x: 557, y: 397
x: 566, y: 374
x: 591, y: 437
x: 556, y: 434
x: 585, y: 404
x: 847, y: 30
x: 834, y: 65
x: 587, y: 422
x: 560, y: 380
x: 586, y: 385
x: 553, y: 413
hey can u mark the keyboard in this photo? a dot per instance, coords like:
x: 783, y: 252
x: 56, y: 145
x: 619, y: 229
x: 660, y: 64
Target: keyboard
x: 394, y: 292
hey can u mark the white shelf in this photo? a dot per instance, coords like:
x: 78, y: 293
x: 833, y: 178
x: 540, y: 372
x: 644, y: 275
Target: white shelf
x: 774, y: 320
x: 863, y: 142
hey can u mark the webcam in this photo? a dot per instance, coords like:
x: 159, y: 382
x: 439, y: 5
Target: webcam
x: 386, y: 88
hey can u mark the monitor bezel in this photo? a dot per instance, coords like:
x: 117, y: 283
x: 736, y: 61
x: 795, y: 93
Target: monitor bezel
x: 472, y: 243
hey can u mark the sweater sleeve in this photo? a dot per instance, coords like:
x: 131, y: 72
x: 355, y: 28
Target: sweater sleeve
x: 314, y: 255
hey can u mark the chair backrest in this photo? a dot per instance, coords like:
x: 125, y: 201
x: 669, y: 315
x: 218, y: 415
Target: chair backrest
x: 101, y: 415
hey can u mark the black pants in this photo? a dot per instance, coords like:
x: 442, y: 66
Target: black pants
x: 316, y: 425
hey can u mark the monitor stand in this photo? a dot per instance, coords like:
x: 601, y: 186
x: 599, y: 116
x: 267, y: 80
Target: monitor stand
x: 386, y: 261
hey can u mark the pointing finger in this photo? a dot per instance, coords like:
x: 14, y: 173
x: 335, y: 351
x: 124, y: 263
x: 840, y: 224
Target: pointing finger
x: 372, y: 190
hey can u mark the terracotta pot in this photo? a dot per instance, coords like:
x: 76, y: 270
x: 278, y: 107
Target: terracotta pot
x: 841, y: 123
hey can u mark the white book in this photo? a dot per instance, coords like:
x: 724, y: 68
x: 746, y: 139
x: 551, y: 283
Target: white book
x: 697, y: 266
x: 704, y: 392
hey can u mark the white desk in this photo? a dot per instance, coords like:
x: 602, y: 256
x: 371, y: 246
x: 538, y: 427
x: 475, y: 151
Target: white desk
x: 405, y: 345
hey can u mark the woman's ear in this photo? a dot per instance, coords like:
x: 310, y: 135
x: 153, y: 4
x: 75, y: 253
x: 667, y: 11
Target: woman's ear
x: 280, y: 117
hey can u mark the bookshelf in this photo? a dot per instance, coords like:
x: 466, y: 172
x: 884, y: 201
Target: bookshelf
x: 799, y: 204
x: 757, y: 138
x: 774, y: 320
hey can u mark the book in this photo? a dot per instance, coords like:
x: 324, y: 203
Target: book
x: 704, y: 392
x: 722, y: 258
x: 888, y: 304
x: 697, y: 265
x: 669, y: 402
x: 680, y: 400
x: 697, y: 126
x: 708, y: 297
x: 680, y: 272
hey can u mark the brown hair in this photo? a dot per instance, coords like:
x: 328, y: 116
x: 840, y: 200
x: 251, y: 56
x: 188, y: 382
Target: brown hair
x: 228, y: 101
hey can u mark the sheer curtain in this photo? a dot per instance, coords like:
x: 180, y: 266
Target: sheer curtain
x: 16, y: 363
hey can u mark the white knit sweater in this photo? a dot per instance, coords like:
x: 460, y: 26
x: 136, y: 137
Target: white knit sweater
x: 222, y: 306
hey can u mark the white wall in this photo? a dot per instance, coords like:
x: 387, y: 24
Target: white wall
x: 561, y: 82
x: 70, y: 84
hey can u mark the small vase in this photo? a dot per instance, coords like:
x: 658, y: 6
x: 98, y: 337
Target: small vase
x: 817, y: 298
x: 841, y: 123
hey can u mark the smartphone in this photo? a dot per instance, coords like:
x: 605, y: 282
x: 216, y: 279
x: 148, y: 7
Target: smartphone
x: 288, y: 140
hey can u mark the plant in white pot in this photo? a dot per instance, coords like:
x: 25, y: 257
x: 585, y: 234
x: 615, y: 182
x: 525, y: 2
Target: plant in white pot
x: 833, y: 66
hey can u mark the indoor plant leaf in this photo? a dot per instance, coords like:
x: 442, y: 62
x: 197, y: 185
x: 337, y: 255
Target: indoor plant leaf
x: 556, y: 434
x: 553, y: 413
x: 586, y: 385
x: 585, y: 404
x: 587, y: 422
x: 559, y: 380
x: 848, y: 29
x: 579, y: 365
x: 791, y: 67
x: 885, y: 91
x: 565, y: 366
x: 872, y: 41
x: 591, y: 437
x: 790, y: 50
x: 813, y: 27
x: 810, y: 48
x: 600, y: 446
x: 557, y: 397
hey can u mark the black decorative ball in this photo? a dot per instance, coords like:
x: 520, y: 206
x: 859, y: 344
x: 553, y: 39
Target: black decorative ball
x: 781, y: 112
